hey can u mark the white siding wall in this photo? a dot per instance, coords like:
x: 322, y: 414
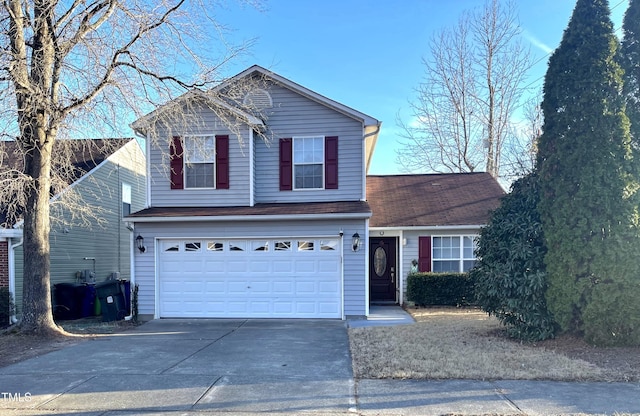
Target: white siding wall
x: 294, y: 115
x: 354, y: 262
x: 205, y: 122
x: 108, y: 243
x: 410, y: 251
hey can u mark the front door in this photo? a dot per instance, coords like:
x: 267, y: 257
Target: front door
x: 382, y: 269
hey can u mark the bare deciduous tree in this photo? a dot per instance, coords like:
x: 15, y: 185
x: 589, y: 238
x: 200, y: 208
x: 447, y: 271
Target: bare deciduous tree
x: 520, y: 149
x: 77, y: 66
x: 473, y: 84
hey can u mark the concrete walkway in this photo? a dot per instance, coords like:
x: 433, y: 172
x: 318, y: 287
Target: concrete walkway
x: 234, y: 366
x: 383, y: 316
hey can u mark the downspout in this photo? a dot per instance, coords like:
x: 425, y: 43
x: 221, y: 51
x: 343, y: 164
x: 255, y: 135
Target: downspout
x: 252, y: 178
x: 365, y: 160
x: 132, y: 271
x: 12, y: 275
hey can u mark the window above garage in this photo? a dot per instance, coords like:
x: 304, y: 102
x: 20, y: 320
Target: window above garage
x: 301, y: 245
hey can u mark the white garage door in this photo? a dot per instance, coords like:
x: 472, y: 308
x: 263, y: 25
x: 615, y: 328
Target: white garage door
x: 268, y: 278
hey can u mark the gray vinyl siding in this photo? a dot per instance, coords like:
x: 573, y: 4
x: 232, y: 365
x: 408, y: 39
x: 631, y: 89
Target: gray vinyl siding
x: 353, y: 264
x: 410, y: 250
x: 109, y: 242
x: 205, y: 122
x: 295, y: 115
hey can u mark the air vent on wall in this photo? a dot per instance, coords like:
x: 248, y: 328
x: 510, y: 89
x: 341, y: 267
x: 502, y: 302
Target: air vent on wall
x: 258, y: 99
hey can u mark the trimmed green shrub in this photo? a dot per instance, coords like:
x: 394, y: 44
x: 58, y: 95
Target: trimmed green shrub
x: 510, y: 276
x: 448, y: 289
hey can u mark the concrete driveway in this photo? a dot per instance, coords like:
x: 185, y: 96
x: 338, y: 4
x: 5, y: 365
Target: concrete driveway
x: 191, y: 365
x: 210, y: 366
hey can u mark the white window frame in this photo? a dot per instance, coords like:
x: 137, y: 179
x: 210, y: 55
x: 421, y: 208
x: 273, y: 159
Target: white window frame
x: 205, y: 160
x: 126, y: 198
x: 294, y: 163
x: 461, y: 259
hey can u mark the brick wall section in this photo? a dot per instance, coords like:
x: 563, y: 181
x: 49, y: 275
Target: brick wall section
x: 4, y: 264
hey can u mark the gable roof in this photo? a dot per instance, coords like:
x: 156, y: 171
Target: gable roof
x: 293, y: 86
x: 371, y: 126
x: 140, y: 125
x: 432, y: 200
x: 84, y: 155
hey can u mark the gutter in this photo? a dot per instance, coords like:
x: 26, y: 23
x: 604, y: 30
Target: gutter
x: 338, y: 216
x: 132, y: 272
x: 431, y: 228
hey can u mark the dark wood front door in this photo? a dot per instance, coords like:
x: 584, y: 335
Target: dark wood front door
x: 382, y: 269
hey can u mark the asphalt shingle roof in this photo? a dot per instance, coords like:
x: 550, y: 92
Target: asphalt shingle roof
x: 309, y: 208
x: 432, y: 199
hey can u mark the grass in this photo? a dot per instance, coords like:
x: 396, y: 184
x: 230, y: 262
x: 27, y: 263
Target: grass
x: 458, y: 344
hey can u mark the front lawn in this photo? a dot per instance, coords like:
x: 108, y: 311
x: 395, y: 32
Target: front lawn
x: 459, y: 343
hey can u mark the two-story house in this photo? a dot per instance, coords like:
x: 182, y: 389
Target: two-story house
x: 242, y: 226
x: 268, y: 211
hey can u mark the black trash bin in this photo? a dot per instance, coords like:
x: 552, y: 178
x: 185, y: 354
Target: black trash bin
x: 68, y: 300
x: 88, y: 300
x: 112, y: 302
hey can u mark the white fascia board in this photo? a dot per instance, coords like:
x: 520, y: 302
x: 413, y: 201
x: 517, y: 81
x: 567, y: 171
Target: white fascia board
x: 10, y: 233
x: 140, y: 125
x: 430, y: 228
x: 345, y: 216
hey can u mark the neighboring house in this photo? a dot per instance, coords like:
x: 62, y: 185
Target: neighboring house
x: 433, y: 219
x: 109, y: 180
x: 239, y: 227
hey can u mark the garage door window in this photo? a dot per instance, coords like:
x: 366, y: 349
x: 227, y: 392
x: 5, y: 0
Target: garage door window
x: 305, y: 245
x: 172, y: 247
x: 260, y: 245
x: 238, y: 246
x: 283, y: 246
x: 192, y: 246
x: 215, y: 246
x: 328, y: 245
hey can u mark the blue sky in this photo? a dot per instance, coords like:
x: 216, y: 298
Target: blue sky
x: 368, y: 54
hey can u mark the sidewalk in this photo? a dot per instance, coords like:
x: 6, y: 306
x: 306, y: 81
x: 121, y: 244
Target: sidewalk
x: 234, y: 366
x: 470, y: 397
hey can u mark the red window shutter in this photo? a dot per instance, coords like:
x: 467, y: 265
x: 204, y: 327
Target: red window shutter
x: 331, y: 162
x: 176, y: 164
x: 222, y: 162
x: 424, y: 254
x: 286, y: 165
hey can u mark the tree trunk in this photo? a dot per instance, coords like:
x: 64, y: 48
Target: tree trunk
x: 37, y: 314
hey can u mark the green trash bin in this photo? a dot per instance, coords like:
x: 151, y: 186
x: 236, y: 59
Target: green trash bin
x: 112, y: 304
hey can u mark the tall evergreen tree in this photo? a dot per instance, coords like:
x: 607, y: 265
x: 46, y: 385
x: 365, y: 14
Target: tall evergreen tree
x: 588, y: 205
x: 631, y: 66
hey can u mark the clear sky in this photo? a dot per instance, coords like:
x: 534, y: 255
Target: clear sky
x: 367, y: 54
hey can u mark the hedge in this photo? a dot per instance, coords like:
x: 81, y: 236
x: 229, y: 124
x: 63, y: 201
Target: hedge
x: 448, y: 289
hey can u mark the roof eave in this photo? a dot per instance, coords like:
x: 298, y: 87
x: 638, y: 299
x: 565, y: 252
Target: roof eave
x: 236, y: 218
x: 426, y: 227
x: 346, y: 110
x: 140, y: 126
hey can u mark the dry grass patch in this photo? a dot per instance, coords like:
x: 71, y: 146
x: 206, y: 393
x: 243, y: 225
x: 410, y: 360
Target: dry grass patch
x: 458, y: 344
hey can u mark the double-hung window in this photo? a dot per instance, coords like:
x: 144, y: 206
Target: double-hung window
x: 453, y: 254
x: 199, y: 161
x: 308, y: 162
